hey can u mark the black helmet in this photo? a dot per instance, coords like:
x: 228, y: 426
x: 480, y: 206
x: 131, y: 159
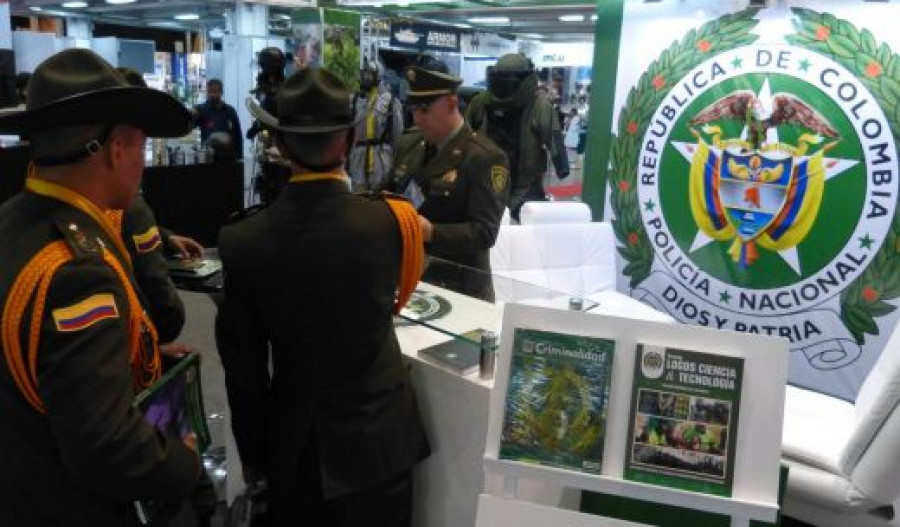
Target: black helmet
x: 368, y: 76
x: 271, y: 60
x: 222, y: 146
x: 505, y: 76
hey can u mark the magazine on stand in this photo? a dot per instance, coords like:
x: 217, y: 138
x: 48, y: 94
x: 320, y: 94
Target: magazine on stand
x: 684, y: 419
x: 557, y: 400
x: 174, y: 406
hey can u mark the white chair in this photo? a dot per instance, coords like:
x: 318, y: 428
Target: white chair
x: 539, y: 212
x: 577, y: 259
x: 843, y: 456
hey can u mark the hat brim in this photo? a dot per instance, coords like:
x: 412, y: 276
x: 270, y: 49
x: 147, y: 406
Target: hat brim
x: 270, y: 121
x: 155, y: 112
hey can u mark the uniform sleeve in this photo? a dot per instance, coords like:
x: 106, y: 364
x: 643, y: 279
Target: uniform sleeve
x: 475, y: 112
x: 484, y: 208
x: 237, y: 137
x: 165, y: 306
x: 553, y: 139
x: 85, y: 383
x: 396, y: 122
x: 243, y: 348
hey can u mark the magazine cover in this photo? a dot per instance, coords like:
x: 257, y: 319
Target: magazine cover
x: 684, y: 409
x: 557, y: 400
x: 174, y: 405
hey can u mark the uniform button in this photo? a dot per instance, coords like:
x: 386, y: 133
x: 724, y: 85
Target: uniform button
x: 446, y: 193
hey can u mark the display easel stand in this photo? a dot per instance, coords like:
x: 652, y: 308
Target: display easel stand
x: 756, y: 473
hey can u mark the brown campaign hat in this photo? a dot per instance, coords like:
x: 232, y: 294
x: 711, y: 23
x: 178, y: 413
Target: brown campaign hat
x: 311, y: 101
x: 77, y: 87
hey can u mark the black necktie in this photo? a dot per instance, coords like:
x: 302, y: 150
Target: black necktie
x: 430, y: 151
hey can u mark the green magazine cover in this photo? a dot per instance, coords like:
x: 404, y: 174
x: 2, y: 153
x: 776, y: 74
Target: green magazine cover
x: 684, y: 409
x: 174, y: 406
x: 556, y: 400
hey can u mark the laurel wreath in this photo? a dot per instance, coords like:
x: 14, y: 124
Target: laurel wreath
x: 867, y: 297
x: 879, y: 70
x: 715, y: 37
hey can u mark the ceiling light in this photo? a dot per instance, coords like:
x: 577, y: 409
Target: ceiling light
x: 533, y: 36
x: 571, y: 18
x: 187, y: 16
x: 494, y: 20
x: 593, y: 18
x: 75, y: 5
x: 36, y: 9
x: 116, y: 2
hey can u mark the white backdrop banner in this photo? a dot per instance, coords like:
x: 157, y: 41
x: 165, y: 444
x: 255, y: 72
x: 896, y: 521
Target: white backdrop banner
x: 754, y: 174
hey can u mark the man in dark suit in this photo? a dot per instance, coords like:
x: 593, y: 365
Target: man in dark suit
x: 457, y: 177
x: 310, y: 283
x: 73, y: 449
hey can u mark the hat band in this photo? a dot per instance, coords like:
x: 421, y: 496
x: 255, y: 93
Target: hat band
x: 427, y: 93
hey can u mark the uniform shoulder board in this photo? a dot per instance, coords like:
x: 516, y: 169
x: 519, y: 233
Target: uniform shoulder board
x: 243, y: 214
x: 83, y: 246
x: 483, y: 141
x: 383, y: 196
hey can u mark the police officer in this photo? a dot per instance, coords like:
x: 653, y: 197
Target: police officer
x: 310, y: 286
x: 458, y: 178
x: 78, y: 451
x: 522, y: 121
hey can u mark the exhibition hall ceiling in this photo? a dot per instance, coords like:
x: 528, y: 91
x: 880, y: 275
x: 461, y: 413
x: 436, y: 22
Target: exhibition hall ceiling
x: 553, y: 20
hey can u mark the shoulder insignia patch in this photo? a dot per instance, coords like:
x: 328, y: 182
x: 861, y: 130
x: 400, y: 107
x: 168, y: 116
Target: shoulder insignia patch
x: 499, y: 177
x: 147, y: 241
x: 450, y: 177
x: 86, y: 313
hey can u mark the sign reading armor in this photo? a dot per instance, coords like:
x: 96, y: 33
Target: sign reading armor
x: 754, y: 185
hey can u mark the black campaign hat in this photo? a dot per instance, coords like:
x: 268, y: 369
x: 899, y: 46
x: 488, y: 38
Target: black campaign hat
x: 426, y: 85
x: 77, y: 87
x: 311, y: 101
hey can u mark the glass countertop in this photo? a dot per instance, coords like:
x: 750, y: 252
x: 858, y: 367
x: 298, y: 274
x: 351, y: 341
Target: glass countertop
x: 463, y: 302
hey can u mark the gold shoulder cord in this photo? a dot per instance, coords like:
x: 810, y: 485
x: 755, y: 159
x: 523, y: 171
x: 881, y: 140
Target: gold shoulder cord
x: 34, y: 282
x: 413, y: 259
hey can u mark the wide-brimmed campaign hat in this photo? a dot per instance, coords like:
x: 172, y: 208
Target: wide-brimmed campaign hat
x: 77, y: 87
x: 426, y: 85
x: 311, y: 101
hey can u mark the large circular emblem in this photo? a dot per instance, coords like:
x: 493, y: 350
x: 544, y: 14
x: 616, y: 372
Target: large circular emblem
x: 424, y: 306
x: 755, y: 186
x: 758, y: 188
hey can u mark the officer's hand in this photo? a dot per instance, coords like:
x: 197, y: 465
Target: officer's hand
x: 190, y: 441
x: 562, y: 175
x: 186, y: 248
x: 175, y: 350
x: 427, y: 228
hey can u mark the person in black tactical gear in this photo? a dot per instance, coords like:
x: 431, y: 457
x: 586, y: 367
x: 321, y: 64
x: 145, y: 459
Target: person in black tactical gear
x: 275, y: 170
x: 378, y: 134
x: 522, y: 121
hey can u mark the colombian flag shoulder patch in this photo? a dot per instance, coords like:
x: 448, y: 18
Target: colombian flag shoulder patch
x: 86, y: 313
x: 148, y: 241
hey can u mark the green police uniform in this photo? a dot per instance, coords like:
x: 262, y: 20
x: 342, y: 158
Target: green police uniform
x: 465, y: 187
x: 464, y: 184
x: 77, y: 345
x: 67, y: 467
x: 146, y: 242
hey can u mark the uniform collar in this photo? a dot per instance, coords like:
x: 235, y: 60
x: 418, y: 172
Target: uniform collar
x: 58, y: 192
x: 449, y: 156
